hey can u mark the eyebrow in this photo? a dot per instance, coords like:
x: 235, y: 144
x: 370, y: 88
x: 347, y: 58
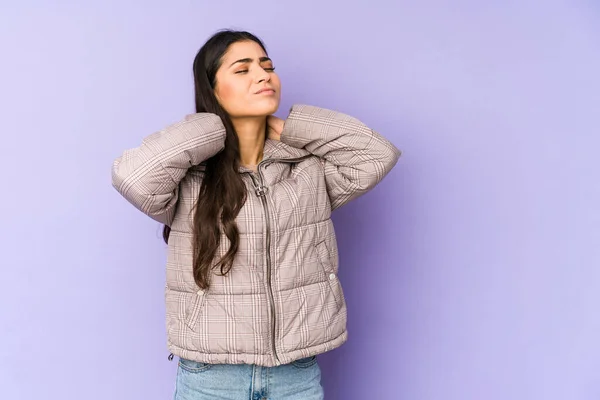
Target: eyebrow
x: 247, y: 60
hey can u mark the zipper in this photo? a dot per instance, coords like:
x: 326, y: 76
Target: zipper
x: 261, y: 191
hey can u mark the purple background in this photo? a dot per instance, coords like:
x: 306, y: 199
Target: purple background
x: 471, y: 272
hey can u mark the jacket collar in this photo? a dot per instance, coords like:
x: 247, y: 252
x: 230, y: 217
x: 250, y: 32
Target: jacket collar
x: 273, y: 150
x: 277, y: 150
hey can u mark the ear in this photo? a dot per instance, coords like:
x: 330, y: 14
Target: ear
x: 216, y: 93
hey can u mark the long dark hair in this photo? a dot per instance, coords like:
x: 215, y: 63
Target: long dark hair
x: 222, y: 193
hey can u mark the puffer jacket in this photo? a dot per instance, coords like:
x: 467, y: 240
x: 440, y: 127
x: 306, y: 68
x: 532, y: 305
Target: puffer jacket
x: 282, y: 299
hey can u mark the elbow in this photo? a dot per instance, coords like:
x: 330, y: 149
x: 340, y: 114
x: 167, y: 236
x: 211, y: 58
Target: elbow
x: 144, y: 194
x: 117, y: 178
x: 389, y: 159
x: 379, y: 169
x: 384, y: 153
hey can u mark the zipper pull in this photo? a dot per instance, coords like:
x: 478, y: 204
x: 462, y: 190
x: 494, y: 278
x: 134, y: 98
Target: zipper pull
x: 260, y: 191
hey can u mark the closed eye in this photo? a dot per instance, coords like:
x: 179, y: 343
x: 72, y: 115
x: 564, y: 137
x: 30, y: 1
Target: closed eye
x: 243, y: 71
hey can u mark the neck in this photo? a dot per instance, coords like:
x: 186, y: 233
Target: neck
x: 251, y: 134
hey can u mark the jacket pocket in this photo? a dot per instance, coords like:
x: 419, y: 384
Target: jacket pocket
x: 330, y: 275
x: 194, y: 309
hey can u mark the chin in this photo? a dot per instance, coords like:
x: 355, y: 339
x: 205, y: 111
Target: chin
x: 262, y: 109
x: 265, y: 110
x: 271, y: 110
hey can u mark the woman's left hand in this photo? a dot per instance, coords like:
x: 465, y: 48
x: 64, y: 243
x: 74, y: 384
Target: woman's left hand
x: 275, y: 127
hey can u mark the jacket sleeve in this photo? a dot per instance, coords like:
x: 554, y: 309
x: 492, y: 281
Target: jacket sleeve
x: 148, y: 176
x: 355, y: 157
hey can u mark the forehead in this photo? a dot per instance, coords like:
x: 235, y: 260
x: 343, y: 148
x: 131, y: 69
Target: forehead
x: 245, y: 49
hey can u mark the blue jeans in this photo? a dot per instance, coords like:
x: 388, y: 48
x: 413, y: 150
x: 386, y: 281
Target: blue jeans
x: 299, y: 380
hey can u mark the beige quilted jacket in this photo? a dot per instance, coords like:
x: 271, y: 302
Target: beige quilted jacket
x: 282, y: 299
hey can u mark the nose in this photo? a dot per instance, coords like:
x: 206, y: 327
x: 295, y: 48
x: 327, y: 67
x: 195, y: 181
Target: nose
x: 262, y: 76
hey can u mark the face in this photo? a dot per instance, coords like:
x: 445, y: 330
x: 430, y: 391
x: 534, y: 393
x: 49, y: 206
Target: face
x: 246, y: 84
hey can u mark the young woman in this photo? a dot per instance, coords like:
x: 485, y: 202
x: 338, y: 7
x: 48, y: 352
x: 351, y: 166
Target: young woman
x: 252, y: 292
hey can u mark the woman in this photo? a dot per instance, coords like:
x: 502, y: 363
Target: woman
x: 252, y: 293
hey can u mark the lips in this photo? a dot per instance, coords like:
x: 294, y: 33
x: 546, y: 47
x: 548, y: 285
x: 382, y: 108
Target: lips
x: 265, y: 90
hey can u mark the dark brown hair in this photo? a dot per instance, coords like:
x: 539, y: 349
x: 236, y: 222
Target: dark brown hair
x: 222, y: 193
